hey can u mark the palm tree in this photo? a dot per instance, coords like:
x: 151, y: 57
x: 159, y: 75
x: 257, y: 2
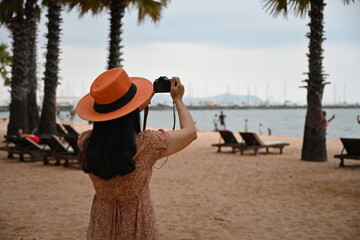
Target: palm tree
x: 314, y: 141
x: 21, y: 19
x: 32, y: 14
x: 48, y: 113
x: 117, y: 8
x: 12, y: 16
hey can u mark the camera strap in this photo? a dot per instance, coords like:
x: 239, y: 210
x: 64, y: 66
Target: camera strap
x: 146, y: 111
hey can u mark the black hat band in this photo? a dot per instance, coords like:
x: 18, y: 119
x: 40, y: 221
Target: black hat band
x: 122, y: 101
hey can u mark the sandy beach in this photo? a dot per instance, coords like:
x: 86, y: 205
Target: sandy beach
x: 197, y: 194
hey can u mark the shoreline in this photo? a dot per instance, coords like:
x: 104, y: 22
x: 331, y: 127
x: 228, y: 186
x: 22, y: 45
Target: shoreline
x: 261, y: 107
x: 5, y: 108
x: 84, y: 125
x: 197, y: 194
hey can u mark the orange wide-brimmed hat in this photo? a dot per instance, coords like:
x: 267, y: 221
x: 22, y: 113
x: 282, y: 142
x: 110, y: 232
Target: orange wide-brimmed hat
x: 113, y: 94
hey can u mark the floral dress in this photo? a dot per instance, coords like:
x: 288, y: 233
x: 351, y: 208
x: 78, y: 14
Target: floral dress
x: 122, y: 207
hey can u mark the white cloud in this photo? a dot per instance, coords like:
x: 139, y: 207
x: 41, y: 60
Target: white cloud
x: 207, y: 70
x: 219, y: 47
x: 342, y: 63
x: 276, y: 73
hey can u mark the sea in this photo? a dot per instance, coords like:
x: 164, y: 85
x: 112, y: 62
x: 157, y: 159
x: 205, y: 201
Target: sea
x: 287, y: 122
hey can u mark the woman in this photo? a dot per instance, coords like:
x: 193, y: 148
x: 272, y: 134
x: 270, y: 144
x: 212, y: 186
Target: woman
x: 119, y: 157
x: 32, y: 137
x: 326, y: 121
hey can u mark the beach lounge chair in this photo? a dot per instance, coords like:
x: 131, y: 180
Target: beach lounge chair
x: 59, y: 150
x: 352, y: 148
x: 72, y: 140
x: 60, y: 130
x: 9, y: 146
x: 229, y: 140
x: 70, y: 129
x: 24, y: 146
x: 253, y: 142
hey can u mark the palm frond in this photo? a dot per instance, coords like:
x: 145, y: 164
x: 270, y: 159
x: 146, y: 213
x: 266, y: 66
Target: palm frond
x: 300, y: 7
x: 148, y: 8
x: 9, y: 9
x: 347, y: 2
x: 85, y: 6
x: 277, y: 7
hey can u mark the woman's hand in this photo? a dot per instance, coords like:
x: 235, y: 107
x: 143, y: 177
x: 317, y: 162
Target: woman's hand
x: 177, y: 89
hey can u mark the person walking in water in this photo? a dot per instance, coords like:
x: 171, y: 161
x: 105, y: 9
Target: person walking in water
x: 222, y: 117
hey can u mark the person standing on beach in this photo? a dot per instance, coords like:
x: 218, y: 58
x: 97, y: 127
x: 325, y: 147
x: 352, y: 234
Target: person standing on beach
x: 326, y: 121
x: 260, y: 129
x: 119, y: 157
x: 358, y: 119
x: 222, y: 120
x: 216, y: 121
x: 246, y: 125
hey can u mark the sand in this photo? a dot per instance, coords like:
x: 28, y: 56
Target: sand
x: 197, y: 194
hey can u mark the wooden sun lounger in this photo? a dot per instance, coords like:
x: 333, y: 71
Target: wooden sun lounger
x: 9, y: 146
x: 72, y: 140
x: 352, y: 148
x: 253, y: 142
x: 60, y: 130
x: 60, y: 151
x: 70, y: 129
x: 229, y: 140
x: 24, y: 146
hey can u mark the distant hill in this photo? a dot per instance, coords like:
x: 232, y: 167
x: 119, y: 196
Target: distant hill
x: 222, y: 99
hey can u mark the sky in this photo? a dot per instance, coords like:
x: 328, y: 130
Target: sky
x: 215, y: 47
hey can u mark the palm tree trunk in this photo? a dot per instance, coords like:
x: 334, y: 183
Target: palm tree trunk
x: 18, y: 105
x: 117, y: 9
x: 314, y: 141
x: 48, y: 114
x: 32, y: 14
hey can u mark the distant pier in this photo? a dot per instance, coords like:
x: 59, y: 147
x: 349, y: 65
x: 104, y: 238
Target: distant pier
x: 4, y: 108
x: 67, y: 108
x: 242, y: 107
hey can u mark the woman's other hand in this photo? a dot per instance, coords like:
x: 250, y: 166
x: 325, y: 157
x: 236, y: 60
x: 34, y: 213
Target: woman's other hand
x: 177, y: 89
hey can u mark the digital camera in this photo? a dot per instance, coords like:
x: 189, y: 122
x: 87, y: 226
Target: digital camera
x: 162, y: 84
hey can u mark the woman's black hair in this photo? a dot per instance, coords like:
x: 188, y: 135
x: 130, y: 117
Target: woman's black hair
x: 111, y: 146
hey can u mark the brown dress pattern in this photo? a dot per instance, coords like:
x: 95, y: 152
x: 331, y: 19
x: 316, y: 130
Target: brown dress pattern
x: 122, y: 207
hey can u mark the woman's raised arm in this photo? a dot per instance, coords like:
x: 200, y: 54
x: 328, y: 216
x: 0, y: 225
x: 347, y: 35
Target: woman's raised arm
x: 179, y: 139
